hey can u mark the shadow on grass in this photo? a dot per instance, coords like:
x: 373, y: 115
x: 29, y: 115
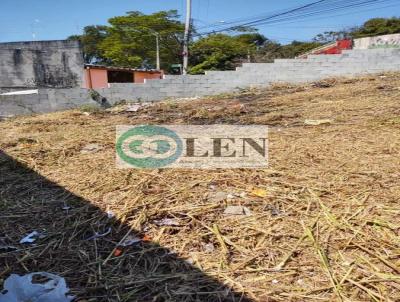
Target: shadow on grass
x: 143, y: 272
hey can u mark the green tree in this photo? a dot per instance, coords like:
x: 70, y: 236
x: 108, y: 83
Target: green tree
x: 131, y: 39
x: 378, y: 26
x: 222, y: 52
x: 297, y: 48
x: 252, y: 39
x: 272, y: 50
x: 331, y: 36
x: 91, y: 39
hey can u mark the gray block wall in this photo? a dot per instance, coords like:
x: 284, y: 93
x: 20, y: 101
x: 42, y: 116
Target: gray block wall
x: 47, y: 100
x: 315, y: 67
x: 56, y: 64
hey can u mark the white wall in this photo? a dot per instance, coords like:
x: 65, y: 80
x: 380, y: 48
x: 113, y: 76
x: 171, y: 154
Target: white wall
x: 386, y: 41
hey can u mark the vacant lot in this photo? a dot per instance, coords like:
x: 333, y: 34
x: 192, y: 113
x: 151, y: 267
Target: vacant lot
x: 325, y: 217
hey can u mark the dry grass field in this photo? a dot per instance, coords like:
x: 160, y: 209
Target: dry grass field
x: 325, y: 215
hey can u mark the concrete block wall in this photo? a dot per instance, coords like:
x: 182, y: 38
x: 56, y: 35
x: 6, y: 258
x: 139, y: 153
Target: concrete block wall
x: 315, y: 67
x: 46, y: 64
x: 47, y: 100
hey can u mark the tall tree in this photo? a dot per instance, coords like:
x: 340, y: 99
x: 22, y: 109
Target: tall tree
x: 378, y: 26
x: 223, y: 52
x: 332, y: 36
x: 91, y: 39
x: 131, y: 39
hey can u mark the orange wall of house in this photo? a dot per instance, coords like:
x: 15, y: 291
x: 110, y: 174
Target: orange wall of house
x: 98, y: 78
x: 140, y: 76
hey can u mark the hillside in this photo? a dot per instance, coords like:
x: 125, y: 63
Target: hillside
x: 324, y: 223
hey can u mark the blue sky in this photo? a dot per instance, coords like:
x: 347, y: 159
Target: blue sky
x: 20, y: 20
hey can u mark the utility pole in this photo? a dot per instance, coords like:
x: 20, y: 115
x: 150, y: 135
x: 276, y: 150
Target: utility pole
x: 187, y: 36
x: 158, y: 50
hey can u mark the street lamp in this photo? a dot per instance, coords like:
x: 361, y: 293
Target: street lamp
x: 157, y: 35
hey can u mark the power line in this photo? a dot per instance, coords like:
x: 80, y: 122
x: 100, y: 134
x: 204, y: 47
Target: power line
x: 298, y: 13
x: 329, y: 16
x: 269, y: 15
x: 315, y: 13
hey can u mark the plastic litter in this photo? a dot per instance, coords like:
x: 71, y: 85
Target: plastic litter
x: 66, y: 207
x: 230, y: 196
x: 167, y: 222
x: 130, y: 240
x: 23, y: 92
x: 30, y: 238
x: 91, y: 148
x: 218, y: 196
x: 259, y: 192
x: 99, y: 235
x: 317, y: 122
x: 22, y: 289
x: 133, y: 108
x: 242, y: 194
x: 118, y: 252
x: 237, y: 210
x: 209, y: 247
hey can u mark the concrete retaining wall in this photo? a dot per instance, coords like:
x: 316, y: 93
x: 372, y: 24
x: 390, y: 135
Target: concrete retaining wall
x: 315, y: 67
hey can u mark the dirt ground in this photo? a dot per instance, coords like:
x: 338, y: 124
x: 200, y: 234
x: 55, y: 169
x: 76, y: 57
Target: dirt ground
x: 325, y: 215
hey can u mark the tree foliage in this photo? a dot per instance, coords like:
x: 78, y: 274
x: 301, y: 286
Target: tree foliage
x: 130, y: 40
x: 378, y: 26
x: 91, y: 39
x: 223, y: 52
x: 331, y: 36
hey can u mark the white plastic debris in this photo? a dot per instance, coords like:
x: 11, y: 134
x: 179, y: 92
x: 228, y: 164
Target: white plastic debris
x: 30, y: 238
x: 130, y: 240
x: 66, y: 207
x: 91, y: 148
x: 167, y: 222
x: 237, y: 210
x: 22, y: 289
x: 218, y: 196
x: 242, y: 194
x: 99, y: 235
x: 317, y: 122
x: 110, y: 214
x: 22, y: 92
x: 133, y: 108
x: 209, y: 247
